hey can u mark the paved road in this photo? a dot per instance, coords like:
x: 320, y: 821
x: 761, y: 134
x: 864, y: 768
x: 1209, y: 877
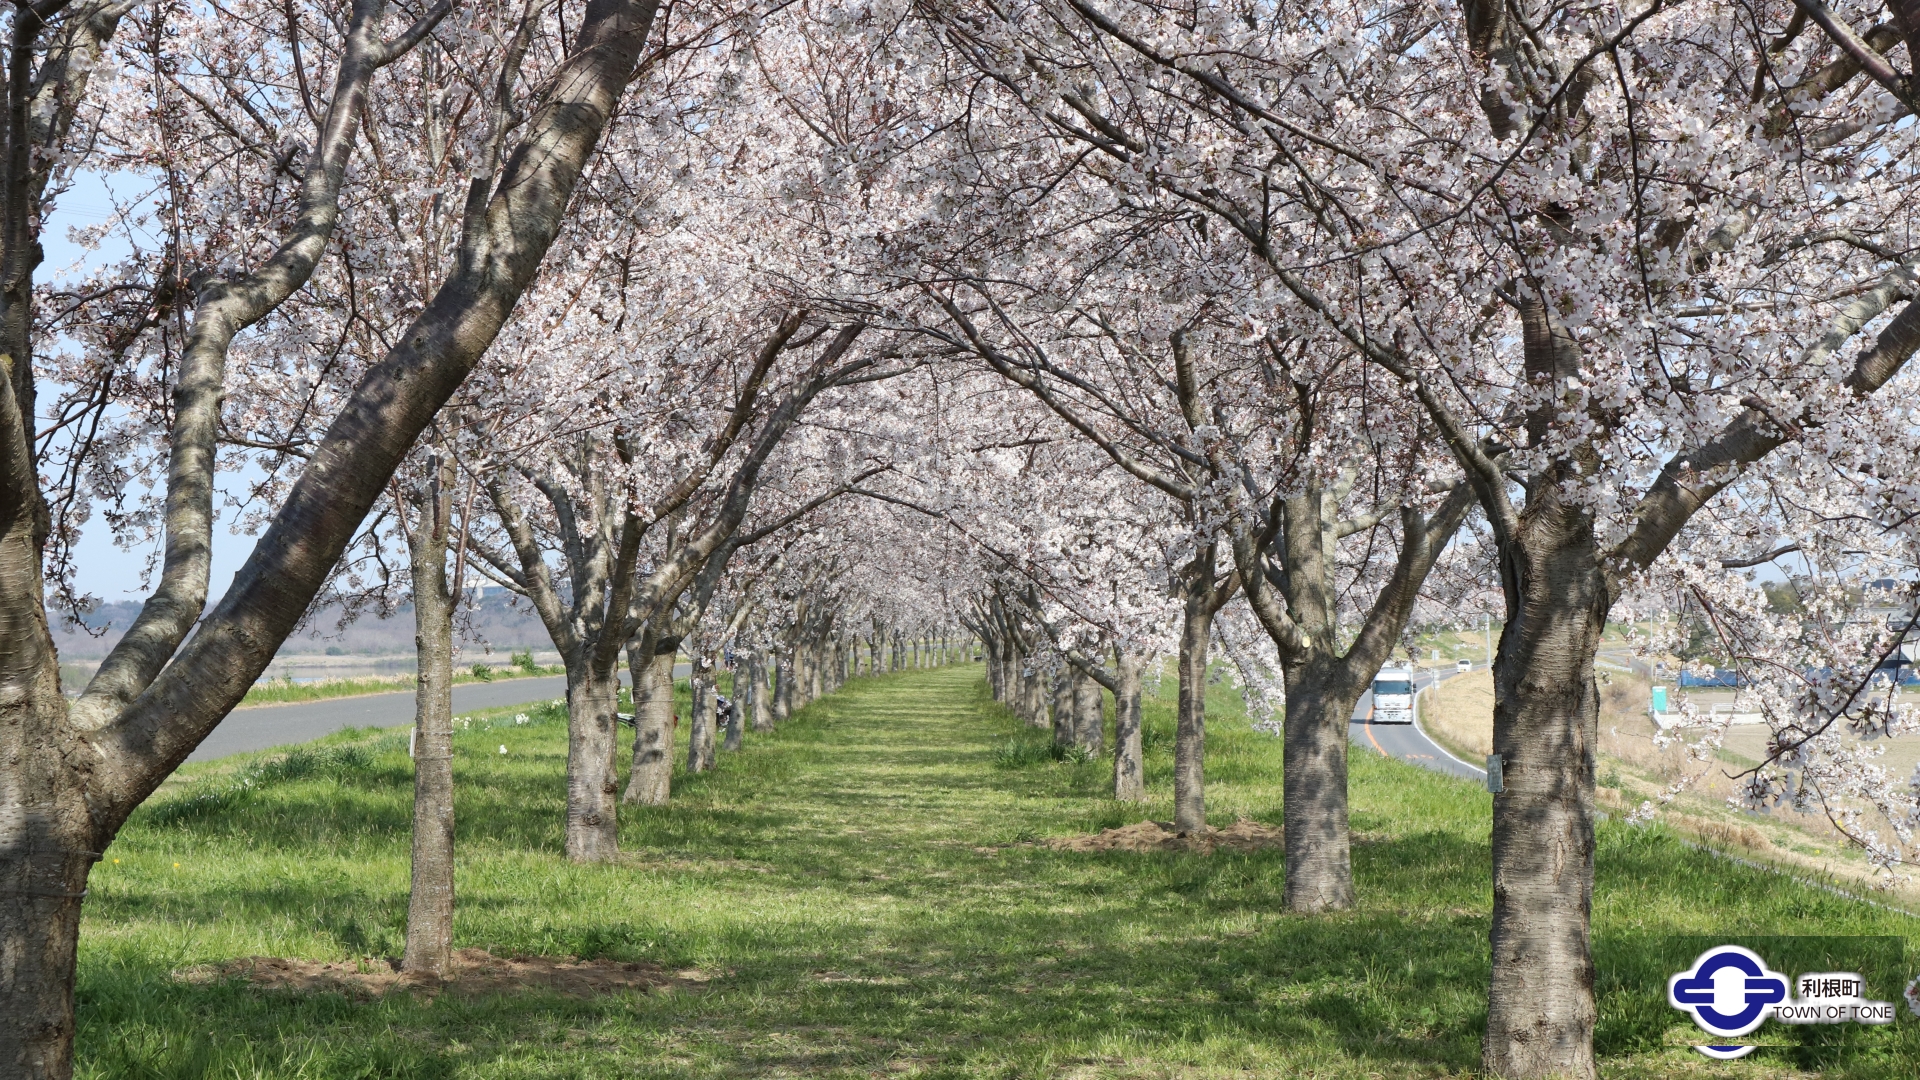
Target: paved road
x: 263, y: 726
x: 1406, y: 741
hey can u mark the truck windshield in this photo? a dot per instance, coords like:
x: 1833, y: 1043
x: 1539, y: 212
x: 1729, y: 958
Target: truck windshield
x: 1390, y: 687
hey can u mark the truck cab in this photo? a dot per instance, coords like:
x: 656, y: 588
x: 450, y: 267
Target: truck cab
x: 1393, y: 696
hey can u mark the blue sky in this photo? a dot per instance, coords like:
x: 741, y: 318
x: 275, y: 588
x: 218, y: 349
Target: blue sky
x: 106, y: 570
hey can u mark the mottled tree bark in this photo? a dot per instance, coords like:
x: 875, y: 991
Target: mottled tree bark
x: 800, y: 678
x: 592, y: 829
x: 1541, y: 1006
x: 700, y: 732
x: 1190, y: 723
x: 429, y: 944
x: 650, y: 778
x: 1088, y: 722
x: 1314, y: 796
x: 1033, y: 696
x: 1129, y: 772
x: 757, y: 679
x: 1064, y: 719
x: 782, y: 684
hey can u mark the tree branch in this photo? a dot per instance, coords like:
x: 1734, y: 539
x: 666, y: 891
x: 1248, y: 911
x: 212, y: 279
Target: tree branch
x: 380, y: 420
x: 1863, y: 54
x: 1696, y: 474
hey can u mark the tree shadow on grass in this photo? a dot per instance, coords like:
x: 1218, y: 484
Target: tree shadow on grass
x: 1049, y: 979
x: 972, y: 982
x: 841, y: 940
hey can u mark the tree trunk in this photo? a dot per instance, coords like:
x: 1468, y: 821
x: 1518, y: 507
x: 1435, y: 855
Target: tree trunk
x: 650, y: 781
x: 757, y: 678
x: 39, y: 937
x: 1064, y: 719
x: 803, y: 674
x: 1190, y: 727
x: 47, y: 842
x: 1319, y: 709
x: 592, y: 828
x: 1540, y: 1005
x: 797, y: 679
x: 429, y: 944
x: 1088, y: 721
x: 782, y: 684
x: 1129, y: 774
x: 734, y: 738
x: 700, y: 726
x: 1033, y: 702
x: 1021, y: 690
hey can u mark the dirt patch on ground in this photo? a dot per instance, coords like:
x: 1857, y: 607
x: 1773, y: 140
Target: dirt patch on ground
x: 475, y: 973
x: 1242, y: 835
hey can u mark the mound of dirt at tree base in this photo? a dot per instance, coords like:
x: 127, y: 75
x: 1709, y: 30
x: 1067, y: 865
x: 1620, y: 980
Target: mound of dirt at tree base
x: 1242, y: 835
x: 474, y: 973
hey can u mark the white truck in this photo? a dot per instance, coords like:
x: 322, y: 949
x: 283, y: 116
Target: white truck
x: 1393, y: 696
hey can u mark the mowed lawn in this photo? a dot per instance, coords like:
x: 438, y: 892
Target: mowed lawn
x: 858, y: 894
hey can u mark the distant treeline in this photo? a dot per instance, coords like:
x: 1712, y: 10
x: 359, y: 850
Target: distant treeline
x: 495, y: 623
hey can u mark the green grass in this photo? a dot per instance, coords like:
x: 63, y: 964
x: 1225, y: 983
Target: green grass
x: 284, y: 692
x: 857, y: 888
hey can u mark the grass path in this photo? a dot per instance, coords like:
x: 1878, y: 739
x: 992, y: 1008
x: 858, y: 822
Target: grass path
x: 856, y: 891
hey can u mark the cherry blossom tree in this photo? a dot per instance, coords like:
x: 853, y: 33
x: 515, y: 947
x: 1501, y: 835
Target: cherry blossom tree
x: 1266, y: 461
x: 1612, y: 256
x: 156, y: 699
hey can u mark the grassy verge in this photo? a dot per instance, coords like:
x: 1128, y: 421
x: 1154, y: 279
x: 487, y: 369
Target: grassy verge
x: 858, y: 892
x: 284, y: 692
x: 1631, y: 770
x: 1460, y: 716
